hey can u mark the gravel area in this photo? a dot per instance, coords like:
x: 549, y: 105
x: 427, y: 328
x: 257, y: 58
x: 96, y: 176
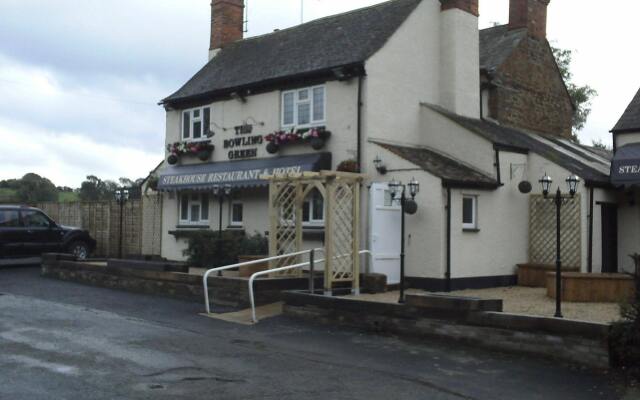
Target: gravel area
x: 524, y: 300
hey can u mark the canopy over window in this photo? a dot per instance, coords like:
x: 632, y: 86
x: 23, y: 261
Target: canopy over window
x: 625, y: 168
x: 245, y: 173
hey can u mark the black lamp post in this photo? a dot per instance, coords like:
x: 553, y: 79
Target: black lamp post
x: 122, y: 196
x: 221, y: 193
x: 398, y: 191
x: 572, y: 183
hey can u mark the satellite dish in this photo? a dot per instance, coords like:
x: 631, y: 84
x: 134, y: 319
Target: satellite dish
x: 525, y: 187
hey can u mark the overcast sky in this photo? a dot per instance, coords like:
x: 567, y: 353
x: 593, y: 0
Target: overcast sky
x: 80, y: 79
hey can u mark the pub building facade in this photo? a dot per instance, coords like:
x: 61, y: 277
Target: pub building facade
x: 625, y: 176
x: 403, y: 89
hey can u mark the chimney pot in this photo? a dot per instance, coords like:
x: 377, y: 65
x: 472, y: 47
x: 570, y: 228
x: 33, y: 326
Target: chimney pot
x: 529, y: 14
x: 227, y: 22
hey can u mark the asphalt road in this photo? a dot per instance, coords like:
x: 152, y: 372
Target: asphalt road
x: 61, y: 340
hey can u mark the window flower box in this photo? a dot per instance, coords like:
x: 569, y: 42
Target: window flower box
x: 200, y: 149
x: 316, y: 137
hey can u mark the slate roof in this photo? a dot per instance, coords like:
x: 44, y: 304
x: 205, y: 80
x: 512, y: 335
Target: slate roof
x: 452, y: 172
x: 341, y: 40
x: 497, y: 43
x: 570, y: 156
x: 630, y: 120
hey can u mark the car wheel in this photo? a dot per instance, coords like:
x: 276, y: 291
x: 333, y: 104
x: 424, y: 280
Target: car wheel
x: 79, y: 249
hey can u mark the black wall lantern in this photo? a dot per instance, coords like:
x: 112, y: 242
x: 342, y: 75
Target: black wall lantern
x: 398, y: 191
x: 572, y: 185
x: 380, y: 166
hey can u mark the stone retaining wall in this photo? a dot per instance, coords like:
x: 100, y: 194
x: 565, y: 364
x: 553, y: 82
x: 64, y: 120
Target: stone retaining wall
x: 572, y: 341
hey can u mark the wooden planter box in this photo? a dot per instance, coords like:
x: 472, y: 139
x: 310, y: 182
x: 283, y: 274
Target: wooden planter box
x: 592, y: 288
x: 535, y: 275
x: 248, y: 270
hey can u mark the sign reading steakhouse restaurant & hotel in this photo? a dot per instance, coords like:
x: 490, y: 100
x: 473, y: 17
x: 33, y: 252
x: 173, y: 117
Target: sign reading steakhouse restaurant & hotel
x: 226, y: 177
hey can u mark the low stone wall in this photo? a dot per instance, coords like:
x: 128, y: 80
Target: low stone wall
x: 535, y: 275
x: 572, y: 341
x: 592, y: 288
x: 131, y: 275
x: 170, y: 284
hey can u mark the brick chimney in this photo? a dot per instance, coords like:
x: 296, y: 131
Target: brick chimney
x: 470, y: 6
x: 227, y: 23
x: 530, y: 14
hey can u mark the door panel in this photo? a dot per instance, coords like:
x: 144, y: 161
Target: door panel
x: 384, y: 235
x: 41, y: 234
x: 609, y: 238
x: 12, y: 235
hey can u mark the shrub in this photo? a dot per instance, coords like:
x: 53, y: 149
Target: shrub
x: 206, y: 250
x: 254, y: 245
x: 625, y: 334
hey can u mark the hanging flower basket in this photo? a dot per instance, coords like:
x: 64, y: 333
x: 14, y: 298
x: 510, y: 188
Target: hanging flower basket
x: 348, y: 166
x: 316, y: 137
x: 201, y: 149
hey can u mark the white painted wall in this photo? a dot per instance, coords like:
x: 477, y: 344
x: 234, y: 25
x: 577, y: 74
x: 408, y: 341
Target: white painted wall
x: 459, y: 62
x: 628, y: 231
x: 626, y: 138
x: 441, y: 133
x: 403, y: 73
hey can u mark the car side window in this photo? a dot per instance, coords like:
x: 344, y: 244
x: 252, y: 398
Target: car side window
x: 9, y: 219
x: 34, y: 219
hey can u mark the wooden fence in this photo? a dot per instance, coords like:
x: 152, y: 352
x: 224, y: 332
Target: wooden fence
x: 141, y: 223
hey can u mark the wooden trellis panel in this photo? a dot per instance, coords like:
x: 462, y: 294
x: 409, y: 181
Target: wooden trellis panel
x: 341, y: 193
x: 542, y: 231
x: 285, y: 211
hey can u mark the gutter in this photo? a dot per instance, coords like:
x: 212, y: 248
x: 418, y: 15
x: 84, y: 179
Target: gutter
x: 450, y: 183
x: 590, y: 248
x: 447, y: 274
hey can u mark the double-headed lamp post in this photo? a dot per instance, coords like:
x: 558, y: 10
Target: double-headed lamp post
x: 398, y: 191
x: 572, y: 184
x: 122, y: 196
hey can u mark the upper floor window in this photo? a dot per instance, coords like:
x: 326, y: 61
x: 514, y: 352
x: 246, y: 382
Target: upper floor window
x: 196, y: 123
x: 303, y: 107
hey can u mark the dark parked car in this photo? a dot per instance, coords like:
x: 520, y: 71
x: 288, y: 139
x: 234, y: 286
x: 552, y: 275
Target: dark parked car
x: 29, y: 232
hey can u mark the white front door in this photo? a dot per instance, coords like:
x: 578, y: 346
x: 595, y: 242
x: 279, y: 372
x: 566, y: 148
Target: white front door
x: 384, y: 235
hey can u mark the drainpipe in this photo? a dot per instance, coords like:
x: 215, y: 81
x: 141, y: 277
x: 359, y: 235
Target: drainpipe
x: 590, y: 248
x: 447, y: 274
x: 498, y: 176
x: 359, y: 127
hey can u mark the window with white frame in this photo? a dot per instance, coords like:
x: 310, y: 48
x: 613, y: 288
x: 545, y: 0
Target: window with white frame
x: 303, y: 107
x: 194, y: 208
x: 196, y: 123
x: 237, y: 214
x: 470, y: 212
x: 313, y: 209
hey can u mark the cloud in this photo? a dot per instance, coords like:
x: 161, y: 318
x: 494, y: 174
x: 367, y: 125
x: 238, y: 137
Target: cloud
x: 67, y: 158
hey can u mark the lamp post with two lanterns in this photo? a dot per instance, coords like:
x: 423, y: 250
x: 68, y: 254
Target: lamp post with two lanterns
x: 398, y: 192
x: 572, y: 184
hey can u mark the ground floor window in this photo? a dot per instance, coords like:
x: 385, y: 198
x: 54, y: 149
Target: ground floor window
x: 194, y: 208
x: 237, y: 214
x: 313, y: 209
x: 470, y: 212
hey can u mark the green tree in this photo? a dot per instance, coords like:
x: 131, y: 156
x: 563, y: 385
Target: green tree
x: 33, y: 188
x: 580, y: 95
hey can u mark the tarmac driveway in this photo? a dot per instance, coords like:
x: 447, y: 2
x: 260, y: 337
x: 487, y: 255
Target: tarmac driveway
x: 64, y: 340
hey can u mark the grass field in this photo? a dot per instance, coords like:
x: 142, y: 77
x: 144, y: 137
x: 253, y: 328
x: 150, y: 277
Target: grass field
x: 67, y: 197
x: 7, y: 195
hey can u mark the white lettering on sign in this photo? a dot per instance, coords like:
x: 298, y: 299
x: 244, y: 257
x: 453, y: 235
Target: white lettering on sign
x: 629, y: 169
x: 228, y: 176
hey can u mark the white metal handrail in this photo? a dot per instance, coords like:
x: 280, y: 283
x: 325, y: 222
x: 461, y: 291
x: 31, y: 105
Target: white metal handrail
x: 286, y: 268
x: 242, y: 264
